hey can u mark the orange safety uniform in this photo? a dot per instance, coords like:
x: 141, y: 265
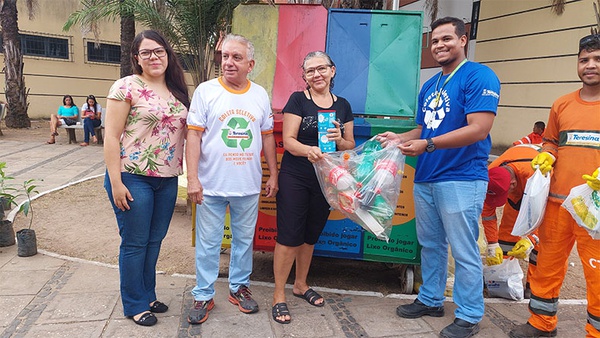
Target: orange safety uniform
x: 532, y: 138
x: 573, y: 137
x: 518, y: 159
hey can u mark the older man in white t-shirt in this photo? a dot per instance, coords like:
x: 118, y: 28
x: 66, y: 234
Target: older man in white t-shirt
x: 229, y: 123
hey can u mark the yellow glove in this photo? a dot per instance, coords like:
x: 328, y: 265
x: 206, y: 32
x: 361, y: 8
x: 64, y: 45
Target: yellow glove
x: 593, y: 181
x: 494, y: 254
x: 522, y: 249
x: 544, y: 161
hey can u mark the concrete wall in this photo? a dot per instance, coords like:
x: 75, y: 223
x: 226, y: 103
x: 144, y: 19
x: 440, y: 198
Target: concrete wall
x: 534, y: 53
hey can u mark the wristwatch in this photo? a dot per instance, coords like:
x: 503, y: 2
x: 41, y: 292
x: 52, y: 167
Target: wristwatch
x: 430, y: 146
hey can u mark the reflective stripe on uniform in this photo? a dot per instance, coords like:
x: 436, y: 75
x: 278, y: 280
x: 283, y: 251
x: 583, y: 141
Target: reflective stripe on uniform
x: 491, y: 218
x: 595, y: 321
x: 506, y: 246
x: 541, y: 306
x: 561, y: 197
x: 533, y: 257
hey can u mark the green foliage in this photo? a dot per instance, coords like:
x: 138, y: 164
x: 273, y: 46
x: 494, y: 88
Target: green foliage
x: 11, y: 192
x: 7, y: 191
x: 193, y: 27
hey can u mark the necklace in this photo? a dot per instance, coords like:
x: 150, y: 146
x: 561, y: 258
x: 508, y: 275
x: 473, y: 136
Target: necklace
x: 439, y: 93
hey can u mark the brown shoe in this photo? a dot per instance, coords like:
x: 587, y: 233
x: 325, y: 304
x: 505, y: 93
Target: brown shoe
x: 51, y: 140
x: 84, y: 144
x: 95, y: 139
x: 527, y: 330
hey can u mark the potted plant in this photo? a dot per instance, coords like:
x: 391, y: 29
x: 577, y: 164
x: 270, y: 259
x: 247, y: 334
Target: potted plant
x: 9, y: 193
x: 7, y: 199
x: 26, y: 240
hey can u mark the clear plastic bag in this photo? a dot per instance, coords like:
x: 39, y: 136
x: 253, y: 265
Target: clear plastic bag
x: 364, y: 184
x: 533, y: 204
x: 583, y: 203
x: 504, y: 280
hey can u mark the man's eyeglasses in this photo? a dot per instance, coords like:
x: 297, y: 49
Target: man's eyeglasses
x: 589, y: 39
x: 145, y: 54
x: 310, y: 72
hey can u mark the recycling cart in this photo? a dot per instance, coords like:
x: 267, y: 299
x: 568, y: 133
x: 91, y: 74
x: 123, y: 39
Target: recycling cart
x: 377, y: 55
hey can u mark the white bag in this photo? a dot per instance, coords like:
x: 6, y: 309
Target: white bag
x: 504, y: 280
x: 533, y: 204
x: 583, y: 203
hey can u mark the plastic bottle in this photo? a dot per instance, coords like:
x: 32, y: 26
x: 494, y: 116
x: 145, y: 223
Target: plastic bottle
x: 581, y: 209
x: 342, y: 179
x: 385, y: 172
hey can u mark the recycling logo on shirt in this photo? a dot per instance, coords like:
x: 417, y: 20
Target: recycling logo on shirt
x: 237, y: 133
x: 435, y: 110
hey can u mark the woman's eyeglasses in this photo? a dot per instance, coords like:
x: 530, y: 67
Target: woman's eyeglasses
x: 145, y: 54
x: 310, y: 72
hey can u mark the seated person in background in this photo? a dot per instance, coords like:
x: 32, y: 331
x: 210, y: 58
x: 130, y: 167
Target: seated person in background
x: 91, y: 112
x: 66, y: 114
x: 508, y: 175
x: 535, y: 137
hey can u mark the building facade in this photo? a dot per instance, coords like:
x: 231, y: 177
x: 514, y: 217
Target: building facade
x: 531, y: 49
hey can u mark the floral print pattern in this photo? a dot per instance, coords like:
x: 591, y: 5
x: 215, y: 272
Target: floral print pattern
x: 152, y: 142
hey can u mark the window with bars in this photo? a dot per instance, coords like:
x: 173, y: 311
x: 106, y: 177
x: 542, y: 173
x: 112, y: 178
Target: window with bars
x: 103, y: 52
x: 43, y: 46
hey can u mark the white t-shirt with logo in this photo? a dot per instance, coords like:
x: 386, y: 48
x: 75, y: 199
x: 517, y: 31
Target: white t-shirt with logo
x: 232, y: 123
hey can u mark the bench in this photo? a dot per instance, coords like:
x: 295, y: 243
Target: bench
x: 79, y: 125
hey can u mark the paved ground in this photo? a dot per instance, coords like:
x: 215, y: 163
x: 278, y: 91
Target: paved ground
x: 51, y: 296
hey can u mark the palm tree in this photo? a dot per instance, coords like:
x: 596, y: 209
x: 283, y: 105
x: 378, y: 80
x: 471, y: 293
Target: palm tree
x: 193, y: 27
x: 96, y: 10
x: 596, y: 30
x: 14, y: 87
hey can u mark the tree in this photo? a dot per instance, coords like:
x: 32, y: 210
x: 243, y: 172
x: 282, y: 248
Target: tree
x: 14, y: 84
x: 95, y: 11
x: 193, y: 27
x: 127, y: 35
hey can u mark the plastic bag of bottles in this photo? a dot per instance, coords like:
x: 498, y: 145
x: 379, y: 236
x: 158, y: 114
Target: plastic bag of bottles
x: 583, y: 203
x: 364, y: 184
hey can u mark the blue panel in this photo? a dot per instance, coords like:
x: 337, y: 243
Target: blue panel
x: 340, y: 238
x: 348, y: 43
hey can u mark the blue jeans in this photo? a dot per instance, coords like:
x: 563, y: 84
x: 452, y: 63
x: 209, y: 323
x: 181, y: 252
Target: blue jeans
x: 88, y: 128
x: 210, y: 224
x: 448, y: 212
x: 142, y: 229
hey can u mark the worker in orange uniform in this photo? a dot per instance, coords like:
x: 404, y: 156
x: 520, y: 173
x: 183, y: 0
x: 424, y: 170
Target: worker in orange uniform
x: 535, y: 137
x: 572, y: 146
x: 508, y: 175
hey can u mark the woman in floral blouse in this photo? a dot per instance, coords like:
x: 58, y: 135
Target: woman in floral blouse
x: 143, y: 150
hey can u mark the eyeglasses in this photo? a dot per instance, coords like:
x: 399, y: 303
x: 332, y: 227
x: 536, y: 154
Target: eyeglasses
x: 588, y: 39
x: 310, y: 72
x: 145, y: 54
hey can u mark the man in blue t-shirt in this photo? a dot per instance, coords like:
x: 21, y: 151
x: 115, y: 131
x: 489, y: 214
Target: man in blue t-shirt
x: 455, y: 113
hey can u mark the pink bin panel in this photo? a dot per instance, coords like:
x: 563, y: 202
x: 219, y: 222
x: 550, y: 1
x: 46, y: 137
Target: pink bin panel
x: 301, y: 30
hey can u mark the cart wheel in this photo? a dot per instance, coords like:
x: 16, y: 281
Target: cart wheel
x: 389, y: 266
x: 407, y: 279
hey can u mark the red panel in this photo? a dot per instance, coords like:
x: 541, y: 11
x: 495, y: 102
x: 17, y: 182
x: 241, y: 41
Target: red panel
x: 301, y: 30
